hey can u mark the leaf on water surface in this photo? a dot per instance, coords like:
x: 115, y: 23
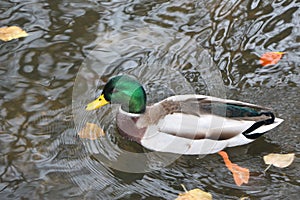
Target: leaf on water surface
x: 270, y: 58
x: 279, y: 160
x: 195, y: 194
x: 244, y: 198
x: 240, y: 175
x: 91, y: 131
x: 11, y: 32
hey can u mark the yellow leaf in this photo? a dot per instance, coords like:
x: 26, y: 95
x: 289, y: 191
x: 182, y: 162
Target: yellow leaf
x: 195, y: 194
x: 91, y: 131
x: 244, y: 198
x: 279, y: 160
x: 12, y: 32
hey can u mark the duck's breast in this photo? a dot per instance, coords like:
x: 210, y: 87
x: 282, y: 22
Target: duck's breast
x: 127, y: 127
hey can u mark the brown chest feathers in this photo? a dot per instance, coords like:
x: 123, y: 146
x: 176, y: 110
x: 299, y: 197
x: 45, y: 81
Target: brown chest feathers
x: 154, y: 113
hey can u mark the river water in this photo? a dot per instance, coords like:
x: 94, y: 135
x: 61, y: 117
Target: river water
x: 174, y: 47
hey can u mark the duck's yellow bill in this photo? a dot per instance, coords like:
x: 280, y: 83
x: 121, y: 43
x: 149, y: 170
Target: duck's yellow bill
x: 97, y: 103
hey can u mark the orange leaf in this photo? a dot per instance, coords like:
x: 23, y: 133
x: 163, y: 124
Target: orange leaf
x: 240, y: 175
x: 12, y: 32
x: 91, y: 131
x: 270, y: 58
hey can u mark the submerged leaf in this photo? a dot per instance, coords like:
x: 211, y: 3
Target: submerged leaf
x: 270, y: 58
x: 195, y: 194
x: 240, y: 175
x: 11, y: 32
x: 91, y: 131
x: 279, y: 160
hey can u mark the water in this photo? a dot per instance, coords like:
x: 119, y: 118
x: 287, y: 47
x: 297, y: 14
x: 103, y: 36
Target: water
x: 47, y: 77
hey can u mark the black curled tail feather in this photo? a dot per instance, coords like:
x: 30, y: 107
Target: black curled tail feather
x: 270, y: 120
x: 258, y: 124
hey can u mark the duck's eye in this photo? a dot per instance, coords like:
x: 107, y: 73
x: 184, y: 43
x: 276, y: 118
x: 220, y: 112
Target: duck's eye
x: 100, y: 99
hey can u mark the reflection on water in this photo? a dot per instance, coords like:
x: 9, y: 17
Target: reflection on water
x: 41, y: 155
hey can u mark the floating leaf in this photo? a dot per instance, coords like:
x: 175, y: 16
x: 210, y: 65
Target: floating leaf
x: 91, y: 131
x: 195, y: 194
x: 244, y: 198
x: 270, y: 58
x: 11, y: 32
x: 240, y: 175
x: 279, y: 160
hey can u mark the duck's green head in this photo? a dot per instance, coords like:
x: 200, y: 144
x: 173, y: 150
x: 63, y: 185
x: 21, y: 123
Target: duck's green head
x: 122, y: 90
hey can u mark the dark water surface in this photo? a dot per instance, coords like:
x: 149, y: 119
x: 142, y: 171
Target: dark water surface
x: 165, y: 44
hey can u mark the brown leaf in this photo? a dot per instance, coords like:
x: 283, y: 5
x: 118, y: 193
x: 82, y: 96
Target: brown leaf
x: 195, y: 194
x: 279, y: 160
x: 11, y: 32
x: 240, y: 174
x: 270, y: 58
x: 91, y: 131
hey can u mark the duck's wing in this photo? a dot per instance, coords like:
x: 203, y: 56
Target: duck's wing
x: 201, y: 104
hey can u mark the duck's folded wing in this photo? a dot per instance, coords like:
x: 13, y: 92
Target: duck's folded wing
x: 200, y: 104
x: 209, y: 99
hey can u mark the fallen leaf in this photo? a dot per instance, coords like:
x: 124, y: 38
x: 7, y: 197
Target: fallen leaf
x: 270, y: 58
x: 279, y: 160
x: 11, y: 32
x: 240, y: 175
x: 244, y: 198
x: 91, y: 131
x: 195, y: 194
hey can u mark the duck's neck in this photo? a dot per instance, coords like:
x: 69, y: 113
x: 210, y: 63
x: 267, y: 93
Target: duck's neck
x: 122, y: 111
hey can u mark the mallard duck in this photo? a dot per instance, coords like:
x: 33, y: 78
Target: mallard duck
x: 183, y: 124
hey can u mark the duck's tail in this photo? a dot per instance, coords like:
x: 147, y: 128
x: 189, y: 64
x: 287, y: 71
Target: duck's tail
x: 260, y: 127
